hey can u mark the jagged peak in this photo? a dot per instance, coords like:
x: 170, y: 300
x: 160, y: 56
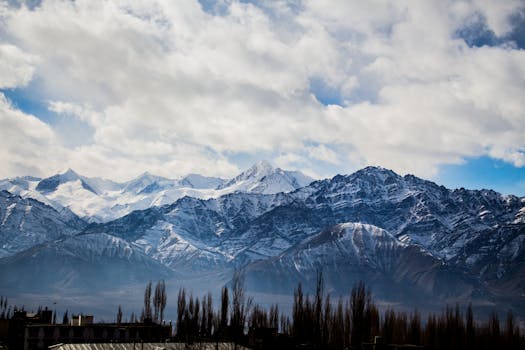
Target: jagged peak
x: 51, y: 183
x: 262, y: 167
x: 256, y: 171
x: 69, y: 175
x: 262, y: 177
x: 69, y: 171
x: 377, y: 170
x: 374, y: 173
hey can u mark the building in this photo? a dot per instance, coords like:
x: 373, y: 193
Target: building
x: 31, y: 331
x: 149, y: 346
x: 41, y: 336
x: 81, y: 320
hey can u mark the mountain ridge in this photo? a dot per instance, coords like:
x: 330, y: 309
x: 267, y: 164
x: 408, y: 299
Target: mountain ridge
x: 444, y: 243
x: 100, y: 200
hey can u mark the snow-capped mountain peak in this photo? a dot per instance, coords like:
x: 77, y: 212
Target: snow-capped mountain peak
x: 379, y: 173
x: 100, y: 200
x: 261, y: 168
x: 255, y: 172
x: 51, y: 184
x: 397, y: 232
x: 262, y: 177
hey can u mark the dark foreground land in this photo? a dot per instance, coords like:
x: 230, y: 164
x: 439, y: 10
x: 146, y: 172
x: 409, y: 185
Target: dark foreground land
x: 316, y: 322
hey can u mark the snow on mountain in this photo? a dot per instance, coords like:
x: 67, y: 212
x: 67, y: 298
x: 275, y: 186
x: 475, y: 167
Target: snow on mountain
x: 25, y: 223
x: 192, y: 234
x: 100, y: 200
x: 86, y: 262
x: 201, y: 182
x: 497, y: 256
x: 52, y: 183
x: 246, y: 227
x: 147, y: 183
x: 18, y: 184
x: 263, y: 178
x: 391, y: 231
x: 412, y: 209
x: 351, y: 252
x: 24, y: 186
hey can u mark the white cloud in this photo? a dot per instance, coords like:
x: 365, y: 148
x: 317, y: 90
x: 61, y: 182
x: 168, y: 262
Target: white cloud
x: 85, y: 114
x: 323, y: 153
x: 498, y: 13
x: 166, y: 87
x: 289, y: 160
x: 16, y: 67
x: 28, y: 145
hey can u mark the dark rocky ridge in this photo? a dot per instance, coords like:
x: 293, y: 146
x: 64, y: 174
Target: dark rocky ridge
x: 445, y: 244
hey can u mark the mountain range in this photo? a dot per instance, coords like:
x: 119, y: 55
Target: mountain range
x: 100, y: 200
x: 410, y: 239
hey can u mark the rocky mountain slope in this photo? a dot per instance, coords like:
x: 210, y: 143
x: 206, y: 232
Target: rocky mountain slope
x: 405, y: 236
x: 350, y: 252
x: 25, y: 223
x: 85, y: 263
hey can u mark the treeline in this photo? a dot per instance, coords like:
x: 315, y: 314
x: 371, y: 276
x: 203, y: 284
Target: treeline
x: 197, y: 318
x: 317, y: 321
x: 353, y: 323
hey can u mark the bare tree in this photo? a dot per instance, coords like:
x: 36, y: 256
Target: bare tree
x: 274, y: 316
x: 224, y: 309
x: 159, y: 301
x: 318, y: 306
x: 163, y: 299
x: 119, y: 315
x: 204, y: 321
x: 181, y: 308
x: 240, y: 305
x: 209, y: 314
x: 147, y: 302
x: 298, y: 314
x: 358, y: 304
x: 65, y: 318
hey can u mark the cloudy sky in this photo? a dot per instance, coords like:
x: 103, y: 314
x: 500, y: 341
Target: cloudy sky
x: 116, y: 88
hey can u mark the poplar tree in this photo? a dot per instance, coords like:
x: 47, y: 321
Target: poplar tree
x: 147, y: 302
x: 119, y: 315
x: 225, y: 302
x: 159, y: 301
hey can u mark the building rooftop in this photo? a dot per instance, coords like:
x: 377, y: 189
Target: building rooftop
x: 148, y: 346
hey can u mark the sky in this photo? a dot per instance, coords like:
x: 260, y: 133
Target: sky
x: 116, y: 88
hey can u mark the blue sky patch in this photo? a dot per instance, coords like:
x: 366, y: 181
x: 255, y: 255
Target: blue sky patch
x: 31, y: 4
x: 214, y: 7
x: 518, y: 33
x: 478, y: 33
x: 71, y: 131
x: 325, y: 94
x: 484, y: 172
x: 28, y: 102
